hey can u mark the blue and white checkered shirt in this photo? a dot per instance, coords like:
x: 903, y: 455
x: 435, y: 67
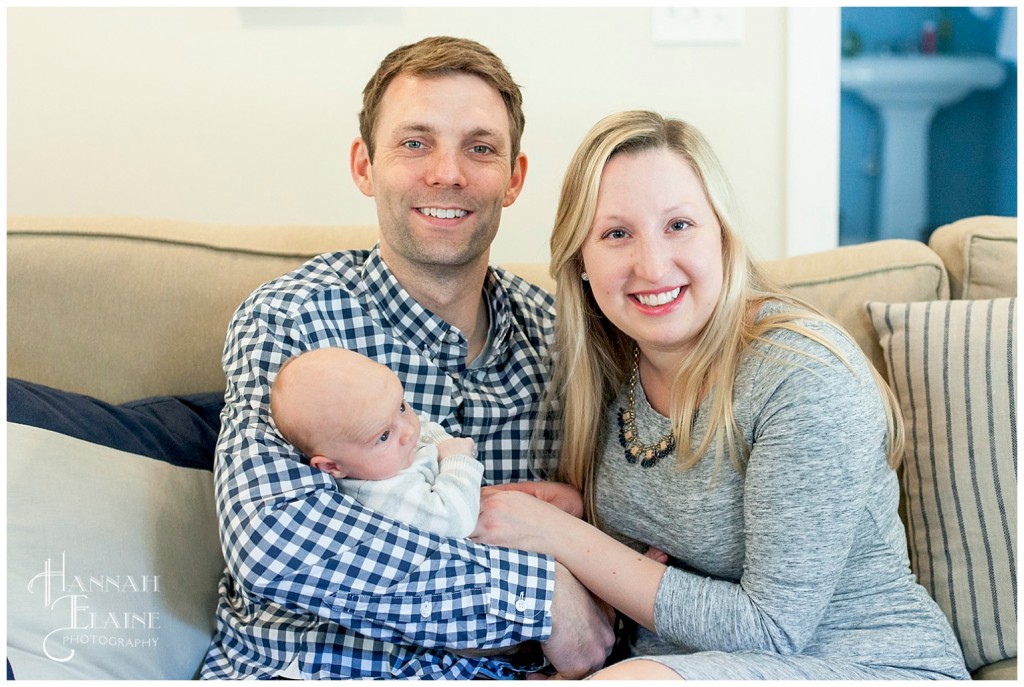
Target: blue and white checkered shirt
x: 318, y: 582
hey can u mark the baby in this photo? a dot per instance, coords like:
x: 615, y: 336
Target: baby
x: 347, y: 414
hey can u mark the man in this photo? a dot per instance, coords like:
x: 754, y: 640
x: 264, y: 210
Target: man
x: 316, y: 585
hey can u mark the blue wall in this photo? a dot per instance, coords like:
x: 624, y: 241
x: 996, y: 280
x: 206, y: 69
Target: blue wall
x: 973, y: 148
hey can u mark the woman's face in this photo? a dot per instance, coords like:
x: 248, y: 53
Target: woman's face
x: 654, y: 252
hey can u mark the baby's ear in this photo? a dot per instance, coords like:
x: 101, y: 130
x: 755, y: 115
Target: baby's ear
x: 325, y: 464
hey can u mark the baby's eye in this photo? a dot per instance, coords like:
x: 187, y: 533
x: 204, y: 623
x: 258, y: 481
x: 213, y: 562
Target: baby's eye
x: 384, y: 436
x: 401, y: 408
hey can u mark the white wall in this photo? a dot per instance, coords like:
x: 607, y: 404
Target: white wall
x: 246, y: 115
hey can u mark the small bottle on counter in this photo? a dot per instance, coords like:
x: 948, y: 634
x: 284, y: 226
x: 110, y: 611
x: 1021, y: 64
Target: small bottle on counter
x: 928, y: 31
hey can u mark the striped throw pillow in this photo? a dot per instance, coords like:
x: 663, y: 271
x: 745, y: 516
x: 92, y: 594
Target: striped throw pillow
x: 952, y: 365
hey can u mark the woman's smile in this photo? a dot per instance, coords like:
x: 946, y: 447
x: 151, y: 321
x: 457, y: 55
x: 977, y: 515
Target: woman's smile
x: 655, y: 299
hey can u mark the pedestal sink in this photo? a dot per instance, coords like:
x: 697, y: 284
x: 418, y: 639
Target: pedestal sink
x: 908, y: 90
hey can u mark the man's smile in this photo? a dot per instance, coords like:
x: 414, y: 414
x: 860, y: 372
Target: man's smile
x: 443, y: 213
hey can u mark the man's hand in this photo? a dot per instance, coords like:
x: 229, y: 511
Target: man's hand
x: 582, y: 633
x: 656, y: 554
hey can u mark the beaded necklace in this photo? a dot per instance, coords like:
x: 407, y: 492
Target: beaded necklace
x: 629, y: 438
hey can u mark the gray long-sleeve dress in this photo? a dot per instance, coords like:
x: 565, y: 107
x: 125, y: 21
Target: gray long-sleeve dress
x: 798, y: 567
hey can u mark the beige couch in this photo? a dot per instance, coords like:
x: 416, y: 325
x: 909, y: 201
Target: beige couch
x: 121, y: 309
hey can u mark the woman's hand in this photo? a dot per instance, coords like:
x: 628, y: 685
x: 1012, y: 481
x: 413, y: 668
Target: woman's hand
x: 565, y: 497
x: 518, y: 520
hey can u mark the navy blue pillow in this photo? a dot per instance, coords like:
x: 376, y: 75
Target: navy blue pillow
x: 181, y: 430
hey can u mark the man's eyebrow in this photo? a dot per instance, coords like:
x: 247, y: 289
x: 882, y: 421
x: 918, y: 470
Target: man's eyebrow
x: 414, y: 128
x: 423, y: 128
x: 481, y: 132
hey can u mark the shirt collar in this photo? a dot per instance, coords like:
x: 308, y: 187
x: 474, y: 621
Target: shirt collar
x: 415, y: 324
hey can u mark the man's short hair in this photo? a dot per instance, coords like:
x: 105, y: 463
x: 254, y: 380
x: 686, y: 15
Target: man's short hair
x: 436, y: 56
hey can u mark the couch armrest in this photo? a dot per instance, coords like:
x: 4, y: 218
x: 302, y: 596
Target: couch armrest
x: 980, y: 254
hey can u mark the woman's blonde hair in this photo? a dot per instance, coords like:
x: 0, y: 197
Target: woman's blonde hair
x: 593, y: 358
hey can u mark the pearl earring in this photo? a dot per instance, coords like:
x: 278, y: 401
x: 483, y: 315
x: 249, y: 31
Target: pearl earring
x: 584, y: 277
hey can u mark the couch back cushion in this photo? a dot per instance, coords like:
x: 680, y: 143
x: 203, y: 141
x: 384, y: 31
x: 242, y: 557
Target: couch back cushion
x: 121, y: 309
x: 124, y: 308
x: 980, y: 254
x: 840, y: 281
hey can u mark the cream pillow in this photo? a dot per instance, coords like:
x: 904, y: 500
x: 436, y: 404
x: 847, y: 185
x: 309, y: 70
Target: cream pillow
x: 952, y: 365
x: 113, y: 556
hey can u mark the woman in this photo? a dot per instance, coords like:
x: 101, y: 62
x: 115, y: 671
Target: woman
x: 709, y: 415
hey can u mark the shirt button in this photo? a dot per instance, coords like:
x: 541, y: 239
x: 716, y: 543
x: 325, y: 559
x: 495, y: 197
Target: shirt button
x: 521, y: 605
x: 453, y: 337
x: 426, y: 609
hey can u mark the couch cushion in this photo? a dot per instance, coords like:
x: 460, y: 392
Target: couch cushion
x: 841, y: 280
x: 534, y: 272
x: 113, y: 557
x: 1002, y: 670
x: 121, y: 308
x: 980, y: 254
x: 953, y: 368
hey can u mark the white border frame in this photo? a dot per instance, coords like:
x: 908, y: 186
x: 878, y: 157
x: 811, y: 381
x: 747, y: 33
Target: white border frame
x: 811, y: 212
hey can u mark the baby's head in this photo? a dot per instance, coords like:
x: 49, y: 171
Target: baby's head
x: 345, y: 413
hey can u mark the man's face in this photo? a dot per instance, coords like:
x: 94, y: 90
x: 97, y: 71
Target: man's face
x: 441, y: 171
